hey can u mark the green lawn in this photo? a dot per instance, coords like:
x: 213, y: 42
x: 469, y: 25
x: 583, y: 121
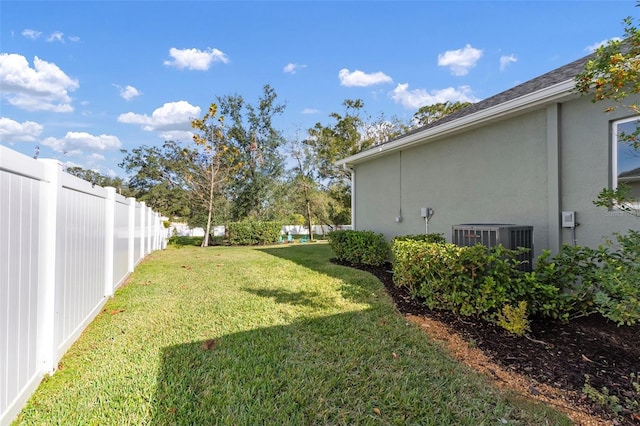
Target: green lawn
x: 298, y: 341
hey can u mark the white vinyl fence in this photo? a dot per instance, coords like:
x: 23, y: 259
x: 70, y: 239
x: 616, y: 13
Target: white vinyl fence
x: 65, y: 247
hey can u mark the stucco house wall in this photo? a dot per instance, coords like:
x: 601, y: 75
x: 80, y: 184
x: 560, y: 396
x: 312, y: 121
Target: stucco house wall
x: 520, y: 167
x: 586, y: 162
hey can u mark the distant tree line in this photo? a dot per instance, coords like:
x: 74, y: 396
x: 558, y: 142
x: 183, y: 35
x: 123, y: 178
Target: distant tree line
x: 240, y: 167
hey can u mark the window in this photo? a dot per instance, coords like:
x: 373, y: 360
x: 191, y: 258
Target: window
x: 626, y: 159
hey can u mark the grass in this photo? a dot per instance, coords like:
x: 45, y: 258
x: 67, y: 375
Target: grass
x: 298, y: 340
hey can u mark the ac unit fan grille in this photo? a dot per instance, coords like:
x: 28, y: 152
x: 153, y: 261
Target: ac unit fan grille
x: 491, y: 235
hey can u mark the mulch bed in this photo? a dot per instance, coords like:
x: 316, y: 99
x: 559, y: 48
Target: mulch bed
x: 561, y: 355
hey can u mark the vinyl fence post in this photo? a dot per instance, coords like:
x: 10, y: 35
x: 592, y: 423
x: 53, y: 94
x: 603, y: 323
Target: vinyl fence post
x: 109, y: 222
x: 47, y: 318
x: 131, y: 256
x: 143, y: 211
x: 149, y: 224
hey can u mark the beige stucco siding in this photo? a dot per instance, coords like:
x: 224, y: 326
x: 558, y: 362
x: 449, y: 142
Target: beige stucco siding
x: 496, y: 174
x: 586, y: 169
x: 523, y: 170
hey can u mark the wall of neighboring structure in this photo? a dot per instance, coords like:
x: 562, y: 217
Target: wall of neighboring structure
x: 496, y: 174
x: 524, y: 170
x: 586, y: 170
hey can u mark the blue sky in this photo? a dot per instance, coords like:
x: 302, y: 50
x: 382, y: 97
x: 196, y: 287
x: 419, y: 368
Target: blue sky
x: 82, y: 80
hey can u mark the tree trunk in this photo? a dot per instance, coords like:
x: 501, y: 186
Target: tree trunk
x: 205, y: 240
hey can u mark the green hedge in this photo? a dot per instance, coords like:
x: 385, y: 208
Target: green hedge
x: 605, y: 280
x: 470, y: 281
x: 486, y: 282
x: 359, y: 247
x: 427, y: 238
x: 248, y: 233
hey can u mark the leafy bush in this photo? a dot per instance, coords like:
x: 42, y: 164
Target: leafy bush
x: 469, y: 281
x: 618, y: 294
x: 514, y: 320
x: 427, y: 238
x: 487, y: 282
x: 573, y: 274
x: 253, y: 232
x: 359, y: 247
x: 589, y: 280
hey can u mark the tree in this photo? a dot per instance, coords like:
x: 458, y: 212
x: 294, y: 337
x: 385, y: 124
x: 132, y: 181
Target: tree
x: 157, y: 177
x: 214, y: 161
x: 383, y: 129
x: 431, y: 113
x: 303, y: 178
x: 349, y: 134
x: 260, y: 163
x: 613, y: 74
x: 99, y: 179
x: 344, y: 138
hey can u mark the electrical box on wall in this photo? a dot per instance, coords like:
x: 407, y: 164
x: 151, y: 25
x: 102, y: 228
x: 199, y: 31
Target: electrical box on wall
x: 426, y: 212
x: 568, y: 219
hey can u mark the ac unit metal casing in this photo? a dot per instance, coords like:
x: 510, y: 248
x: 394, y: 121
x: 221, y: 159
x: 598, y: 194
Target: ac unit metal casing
x: 493, y: 234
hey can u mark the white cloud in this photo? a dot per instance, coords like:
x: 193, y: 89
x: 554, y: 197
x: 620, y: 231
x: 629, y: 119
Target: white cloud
x: 11, y: 131
x: 74, y: 39
x: 44, y: 87
x: 293, y: 68
x: 310, y: 111
x: 95, y: 157
x: 416, y: 98
x: 128, y: 92
x: 195, y: 59
x: 172, y: 116
x: 506, y: 60
x: 177, y: 135
x: 460, y: 61
x: 362, y: 79
x: 75, y: 143
x: 31, y: 34
x: 593, y: 47
x: 56, y: 36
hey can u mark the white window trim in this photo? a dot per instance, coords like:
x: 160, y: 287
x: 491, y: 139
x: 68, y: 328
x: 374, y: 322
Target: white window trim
x: 614, y: 153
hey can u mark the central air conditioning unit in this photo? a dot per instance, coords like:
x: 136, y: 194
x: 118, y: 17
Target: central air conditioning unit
x: 493, y: 234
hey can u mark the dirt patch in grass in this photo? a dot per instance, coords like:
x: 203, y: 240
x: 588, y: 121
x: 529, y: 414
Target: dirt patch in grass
x: 553, y: 364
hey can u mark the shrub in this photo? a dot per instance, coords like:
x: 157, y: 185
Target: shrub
x: 617, y: 296
x: 427, y: 238
x: 514, y: 320
x: 469, y: 281
x: 573, y: 272
x: 487, y: 282
x: 253, y: 232
x: 589, y: 280
x: 359, y: 247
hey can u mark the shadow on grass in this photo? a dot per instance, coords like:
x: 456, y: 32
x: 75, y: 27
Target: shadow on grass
x: 253, y: 377
x: 311, y: 299
x: 335, y: 370
x: 317, y: 258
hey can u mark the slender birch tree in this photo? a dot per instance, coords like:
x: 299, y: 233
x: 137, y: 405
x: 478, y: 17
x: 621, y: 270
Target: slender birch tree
x: 217, y: 161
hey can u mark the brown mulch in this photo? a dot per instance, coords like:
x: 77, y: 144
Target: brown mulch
x: 551, y: 364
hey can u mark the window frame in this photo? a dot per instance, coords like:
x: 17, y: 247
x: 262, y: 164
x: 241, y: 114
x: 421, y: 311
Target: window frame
x: 635, y: 205
x: 614, y: 148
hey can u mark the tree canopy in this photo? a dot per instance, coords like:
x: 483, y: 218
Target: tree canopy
x: 431, y: 113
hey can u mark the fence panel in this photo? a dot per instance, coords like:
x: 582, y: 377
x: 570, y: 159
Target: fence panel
x: 65, y: 245
x: 19, y: 227
x: 138, y: 234
x: 120, y: 241
x: 80, y: 268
